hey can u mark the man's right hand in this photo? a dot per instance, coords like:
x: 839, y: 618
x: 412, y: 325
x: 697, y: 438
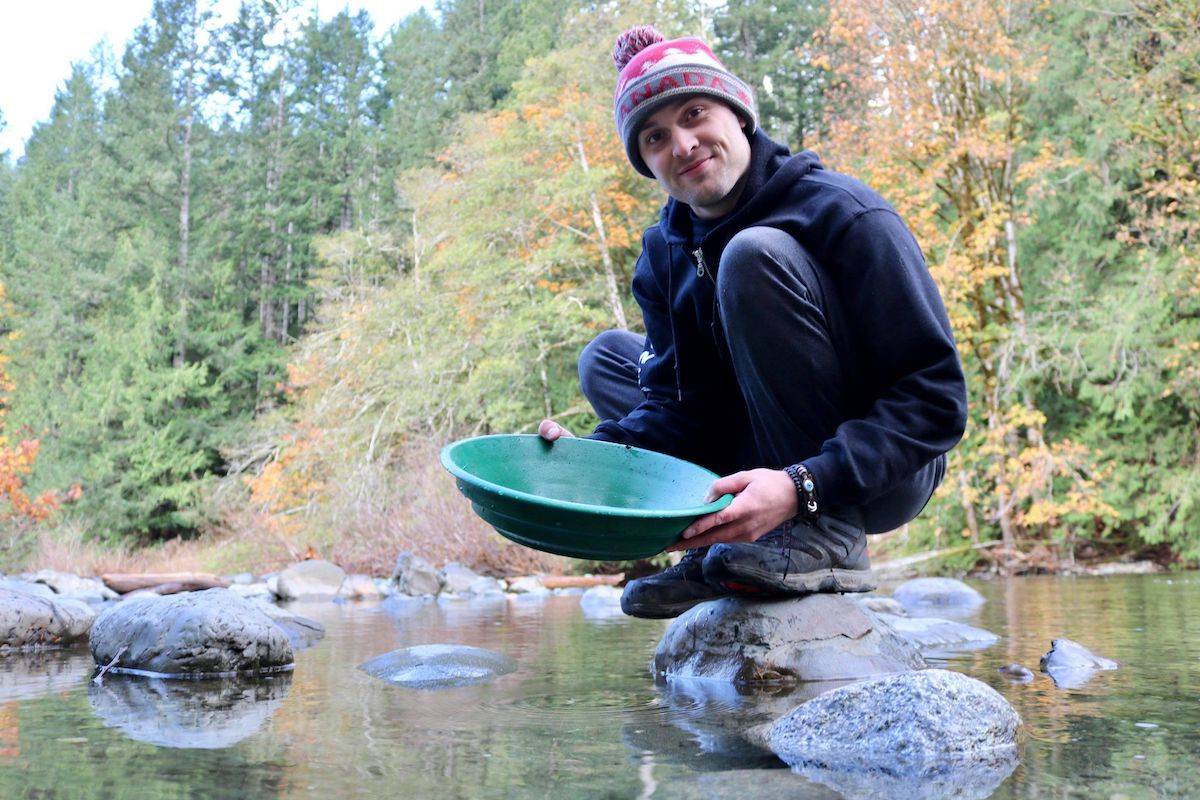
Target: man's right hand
x: 551, y: 430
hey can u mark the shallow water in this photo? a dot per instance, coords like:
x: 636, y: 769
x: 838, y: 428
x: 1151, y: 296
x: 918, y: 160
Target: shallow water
x: 581, y: 716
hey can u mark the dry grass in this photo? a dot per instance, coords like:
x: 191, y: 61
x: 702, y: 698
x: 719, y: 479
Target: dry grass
x: 362, y: 525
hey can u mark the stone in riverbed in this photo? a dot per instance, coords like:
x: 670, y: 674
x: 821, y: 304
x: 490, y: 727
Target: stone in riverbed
x: 360, y: 587
x: 301, y: 632
x: 601, y: 602
x: 70, y: 585
x: 415, y: 576
x: 439, y: 666
x: 882, y: 605
x: 937, y: 633
x: 934, y: 596
x: 1016, y: 673
x: 814, y: 638
x: 31, y: 622
x: 27, y: 587
x: 931, y: 733
x: 315, y: 578
x: 212, y: 632
x: 1070, y: 664
x: 252, y: 590
x: 457, y: 579
x: 527, y: 584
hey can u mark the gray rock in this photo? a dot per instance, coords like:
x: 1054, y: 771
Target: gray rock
x: 1016, y: 673
x: 938, y: 596
x: 882, y: 605
x: 527, y: 584
x: 941, y: 634
x: 483, y: 585
x: 601, y: 602
x: 925, y: 734
x: 187, y: 714
x: 27, y: 587
x: 241, y: 578
x: 31, y: 622
x: 315, y: 578
x: 385, y: 587
x: 65, y: 583
x: 439, y: 666
x: 1070, y: 664
x: 360, y: 587
x: 415, y: 576
x: 301, y: 632
x: 457, y: 578
x: 815, y: 638
x: 272, y: 582
x: 402, y: 605
x: 208, y: 633
x: 252, y: 590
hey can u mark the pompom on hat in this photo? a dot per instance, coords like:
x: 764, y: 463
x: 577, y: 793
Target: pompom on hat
x: 654, y: 71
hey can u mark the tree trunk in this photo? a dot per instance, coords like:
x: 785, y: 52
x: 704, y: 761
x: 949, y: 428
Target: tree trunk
x: 610, y: 275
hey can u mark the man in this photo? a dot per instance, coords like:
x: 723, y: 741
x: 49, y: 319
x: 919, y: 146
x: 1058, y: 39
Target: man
x: 795, y: 343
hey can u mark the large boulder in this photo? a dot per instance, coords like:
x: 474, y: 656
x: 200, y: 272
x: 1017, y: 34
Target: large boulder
x: 1070, y: 665
x: 814, y: 638
x: 27, y: 587
x: 938, y: 596
x: 415, y: 576
x: 922, y: 734
x: 29, y: 622
x: 209, y: 633
x: 315, y: 578
x: 71, y: 585
x: 439, y: 666
x: 187, y: 714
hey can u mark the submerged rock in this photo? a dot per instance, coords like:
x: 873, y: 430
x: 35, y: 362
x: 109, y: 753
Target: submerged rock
x: 932, y: 596
x: 415, y: 576
x: 925, y: 734
x: 31, y: 622
x: 1016, y: 672
x: 601, y: 602
x: 1070, y: 664
x: 315, y: 578
x: 937, y: 633
x: 213, y: 632
x: 187, y: 714
x: 439, y: 666
x: 815, y: 638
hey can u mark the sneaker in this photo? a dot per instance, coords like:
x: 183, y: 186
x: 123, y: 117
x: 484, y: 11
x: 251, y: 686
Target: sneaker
x: 671, y: 592
x: 828, y: 555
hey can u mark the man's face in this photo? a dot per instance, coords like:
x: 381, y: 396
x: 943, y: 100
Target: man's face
x: 698, y: 152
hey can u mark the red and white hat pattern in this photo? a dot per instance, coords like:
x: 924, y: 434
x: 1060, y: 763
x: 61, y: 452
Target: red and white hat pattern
x: 654, y: 71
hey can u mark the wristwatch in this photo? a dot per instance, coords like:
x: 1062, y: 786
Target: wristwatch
x: 806, y: 489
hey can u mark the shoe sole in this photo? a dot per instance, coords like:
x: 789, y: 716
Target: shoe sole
x: 839, y: 581
x: 660, y: 611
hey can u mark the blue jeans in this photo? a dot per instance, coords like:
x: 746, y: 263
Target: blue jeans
x: 788, y: 340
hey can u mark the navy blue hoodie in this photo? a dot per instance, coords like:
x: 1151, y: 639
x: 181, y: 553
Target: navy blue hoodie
x: 911, y: 395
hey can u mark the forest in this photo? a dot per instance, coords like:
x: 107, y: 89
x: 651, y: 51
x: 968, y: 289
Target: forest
x: 257, y: 270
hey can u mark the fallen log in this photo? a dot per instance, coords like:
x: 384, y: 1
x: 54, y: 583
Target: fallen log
x: 897, y: 567
x: 580, y: 581
x: 124, y: 583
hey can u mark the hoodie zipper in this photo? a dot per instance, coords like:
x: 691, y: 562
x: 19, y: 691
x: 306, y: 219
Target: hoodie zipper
x: 702, y: 271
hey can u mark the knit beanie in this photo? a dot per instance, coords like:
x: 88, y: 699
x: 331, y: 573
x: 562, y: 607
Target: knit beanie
x: 654, y: 71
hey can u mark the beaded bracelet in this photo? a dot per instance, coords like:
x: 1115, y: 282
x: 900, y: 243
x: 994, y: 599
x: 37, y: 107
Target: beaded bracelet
x: 806, y: 489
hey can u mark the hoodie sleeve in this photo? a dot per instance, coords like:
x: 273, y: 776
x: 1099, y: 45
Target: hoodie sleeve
x: 905, y: 339
x: 668, y: 419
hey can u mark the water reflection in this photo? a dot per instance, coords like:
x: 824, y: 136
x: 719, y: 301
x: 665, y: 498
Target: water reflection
x: 26, y: 676
x: 187, y: 714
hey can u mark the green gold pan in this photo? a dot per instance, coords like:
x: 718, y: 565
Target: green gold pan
x: 579, y: 497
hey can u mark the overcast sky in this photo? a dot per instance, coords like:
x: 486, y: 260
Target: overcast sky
x: 40, y: 39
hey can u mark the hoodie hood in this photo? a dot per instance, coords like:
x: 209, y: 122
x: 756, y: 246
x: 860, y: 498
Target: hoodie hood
x: 772, y: 165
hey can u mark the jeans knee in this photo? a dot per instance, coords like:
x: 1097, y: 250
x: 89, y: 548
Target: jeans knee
x: 751, y: 265
x: 593, y: 355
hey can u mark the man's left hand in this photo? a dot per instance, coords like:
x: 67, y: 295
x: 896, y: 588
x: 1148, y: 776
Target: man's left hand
x: 764, y: 499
